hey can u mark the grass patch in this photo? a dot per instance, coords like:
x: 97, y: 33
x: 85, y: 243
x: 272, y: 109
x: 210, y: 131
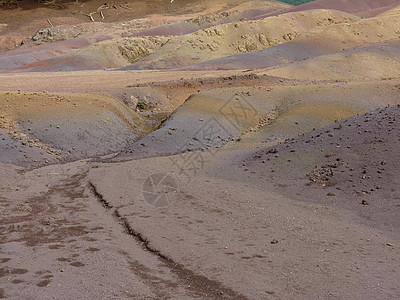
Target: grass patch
x: 141, y: 105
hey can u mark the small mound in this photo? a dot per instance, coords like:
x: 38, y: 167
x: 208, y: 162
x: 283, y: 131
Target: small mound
x: 240, y: 37
x: 21, y: 152
x: 292, y: 51
x: 355, y: 159
x: 107, y: 54
x: 380, y: 61
x: 202, y: 122
x: 169, y: 29
x: 364, y: 7
x: 256, y: 114
x: 391, y: 12
x: 66, y: 126
x: 25, y: 56
x: 250, y: 10
x: 60, y: 64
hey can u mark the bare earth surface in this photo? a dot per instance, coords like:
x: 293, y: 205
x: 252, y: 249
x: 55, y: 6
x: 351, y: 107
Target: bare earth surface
x: 200, y: 150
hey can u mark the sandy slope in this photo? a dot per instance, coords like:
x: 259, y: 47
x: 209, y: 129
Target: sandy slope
x: 218, y: 195
x: 277, y: 241
x: 311, y: 32
x: 24, y: 21
x: 270, y: 116
x: 96, y: 80
x: 166, y: 51
x: 201, y: 184
x: 346, y: 160
x: 241, y: 12
x: 375, y: 62
x: 228, y: 39
x: 332, y: 39
x: 364, y: 8
x: 60, y: 242
x: 71, y: 126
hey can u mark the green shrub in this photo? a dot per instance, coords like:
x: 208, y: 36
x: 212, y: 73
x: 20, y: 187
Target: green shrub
x: 141, y: 105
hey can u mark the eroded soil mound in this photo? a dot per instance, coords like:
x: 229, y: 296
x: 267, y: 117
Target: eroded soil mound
x: 352, y: 163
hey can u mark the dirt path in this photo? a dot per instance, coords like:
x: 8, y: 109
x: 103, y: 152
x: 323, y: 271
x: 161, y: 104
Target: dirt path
x: 60, y: 239
x: 97, y: 80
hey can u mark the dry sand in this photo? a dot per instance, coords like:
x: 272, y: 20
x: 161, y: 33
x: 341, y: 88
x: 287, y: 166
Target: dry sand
x: 254, y: 156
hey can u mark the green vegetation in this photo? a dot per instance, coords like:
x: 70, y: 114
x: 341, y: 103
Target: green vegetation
x: 296, y: 2
x: 141, y: 105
